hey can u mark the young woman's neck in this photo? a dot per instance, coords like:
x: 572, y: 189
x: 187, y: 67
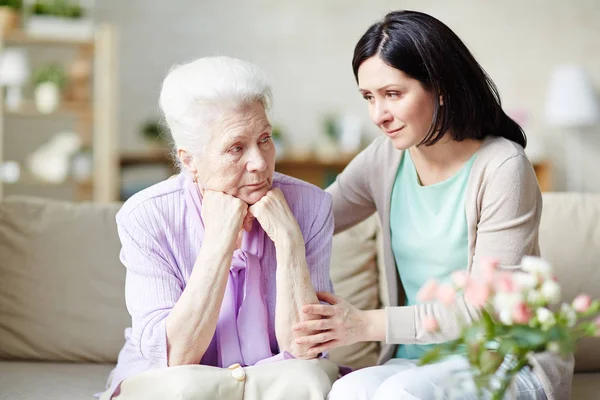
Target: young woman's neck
x: 442, y: 160
x: 445, y: 153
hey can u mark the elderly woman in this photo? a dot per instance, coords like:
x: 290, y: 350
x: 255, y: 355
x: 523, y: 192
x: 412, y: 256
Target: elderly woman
x: 221, y: 259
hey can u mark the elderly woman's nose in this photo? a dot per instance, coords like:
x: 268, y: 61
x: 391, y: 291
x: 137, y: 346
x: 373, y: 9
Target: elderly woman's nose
x: 256, y: 161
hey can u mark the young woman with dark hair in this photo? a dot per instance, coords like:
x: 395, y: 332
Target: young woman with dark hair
x: 452, y: 186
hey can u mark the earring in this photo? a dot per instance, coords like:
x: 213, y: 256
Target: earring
x: 195, y: 176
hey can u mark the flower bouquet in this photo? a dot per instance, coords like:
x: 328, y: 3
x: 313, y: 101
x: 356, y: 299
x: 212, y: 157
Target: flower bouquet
x: 519, y: 315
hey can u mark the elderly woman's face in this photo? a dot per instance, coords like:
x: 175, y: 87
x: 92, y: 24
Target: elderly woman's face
x: 239, y: 158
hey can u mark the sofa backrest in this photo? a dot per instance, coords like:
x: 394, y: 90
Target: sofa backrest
x: 61, y: 283
x: 570, y: 241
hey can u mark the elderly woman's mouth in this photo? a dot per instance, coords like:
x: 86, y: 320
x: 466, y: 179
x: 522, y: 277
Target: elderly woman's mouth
x: 257, y: 185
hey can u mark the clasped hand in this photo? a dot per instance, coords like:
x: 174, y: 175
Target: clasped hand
x: 341, y: 324
x: 227, y: 217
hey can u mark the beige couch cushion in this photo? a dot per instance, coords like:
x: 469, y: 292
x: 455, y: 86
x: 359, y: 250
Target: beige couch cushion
x: 62, y: 286
x: 570, y: 241
x: 51, y: 381
x: 355, y: 277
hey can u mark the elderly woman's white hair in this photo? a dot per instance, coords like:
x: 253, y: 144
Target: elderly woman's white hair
x: 193, y: 96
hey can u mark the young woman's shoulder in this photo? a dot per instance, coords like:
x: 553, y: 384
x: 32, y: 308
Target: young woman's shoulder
x: 502, y: 168
x: 498, y: 155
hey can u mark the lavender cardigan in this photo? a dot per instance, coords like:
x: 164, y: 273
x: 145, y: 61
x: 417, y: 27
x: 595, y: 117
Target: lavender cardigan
x: 159, y: 249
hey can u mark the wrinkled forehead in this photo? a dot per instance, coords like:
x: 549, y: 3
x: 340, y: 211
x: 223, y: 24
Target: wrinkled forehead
x: 239, y: 123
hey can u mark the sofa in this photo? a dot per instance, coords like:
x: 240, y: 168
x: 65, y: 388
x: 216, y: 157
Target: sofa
x: 62, y: 311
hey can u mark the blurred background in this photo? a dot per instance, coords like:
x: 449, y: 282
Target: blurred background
x: 80, y: 80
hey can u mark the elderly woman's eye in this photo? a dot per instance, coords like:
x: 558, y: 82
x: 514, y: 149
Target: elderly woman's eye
x: 265, y: 139
x: 235, y: 149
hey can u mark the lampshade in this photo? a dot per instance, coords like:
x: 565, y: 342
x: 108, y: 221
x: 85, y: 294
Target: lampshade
x: 571, y: 101
x: 14, y: 67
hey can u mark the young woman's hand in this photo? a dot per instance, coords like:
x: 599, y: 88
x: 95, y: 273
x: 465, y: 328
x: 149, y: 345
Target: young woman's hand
x: 341, y: 324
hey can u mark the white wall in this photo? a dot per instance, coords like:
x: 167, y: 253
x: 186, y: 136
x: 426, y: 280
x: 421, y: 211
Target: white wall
x: 306, y: 46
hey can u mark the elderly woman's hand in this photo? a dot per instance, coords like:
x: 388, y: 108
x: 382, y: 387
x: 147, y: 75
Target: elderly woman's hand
x: 276, y: 218
x: 341, y: 324
x: 223, y: 216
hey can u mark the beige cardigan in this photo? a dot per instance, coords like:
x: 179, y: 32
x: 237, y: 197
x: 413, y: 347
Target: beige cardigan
x: 503, y: 208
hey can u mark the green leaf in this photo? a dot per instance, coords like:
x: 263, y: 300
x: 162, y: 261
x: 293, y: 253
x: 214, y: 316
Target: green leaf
x: 529, y: 338
x: 431, y: 356
x: 507, y: 346
x: 490, y: 361
x: 488, y: 323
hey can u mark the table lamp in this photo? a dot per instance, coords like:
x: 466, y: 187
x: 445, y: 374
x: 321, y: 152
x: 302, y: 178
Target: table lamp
x: 571, y: 104
x: 14, y: 73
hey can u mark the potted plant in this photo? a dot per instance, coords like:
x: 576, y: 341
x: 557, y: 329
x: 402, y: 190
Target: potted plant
x: 327, y: 148
x: 48, y: 81
x: 154, y: 133
x: 59, y: 18
x: 9, y: 15
x: 278, y: 142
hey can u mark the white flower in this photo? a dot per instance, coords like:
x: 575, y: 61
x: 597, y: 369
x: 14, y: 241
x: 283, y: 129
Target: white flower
x: 554, y: 347
x: 536, y: 265
x: 505, y: 303
x: 505, y: 317
x: 535, y: 297
x: 546, y: 318
x: 569, y: 313
x: 551, y: 291
x: 525, y: 280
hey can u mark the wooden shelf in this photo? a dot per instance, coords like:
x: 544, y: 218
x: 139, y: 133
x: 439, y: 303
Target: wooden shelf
x: 28, y: 109
x: 161, y: 156
x: 23, y: 38
x: 95, y: 119
x: 543, y: 172
x: 27, y: 179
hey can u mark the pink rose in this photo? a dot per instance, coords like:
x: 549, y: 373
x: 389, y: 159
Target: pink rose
x: 446, y: 294
x: 582, y: 303
x: 505, y: 283
x: 521, y: 313
x: 489, y: 268
x: 460, y: 278
x: 430, y: 324
x: 477, y: 294
x: 428, y: 291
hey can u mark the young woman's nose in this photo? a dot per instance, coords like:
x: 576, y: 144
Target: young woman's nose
x: 380, y: 114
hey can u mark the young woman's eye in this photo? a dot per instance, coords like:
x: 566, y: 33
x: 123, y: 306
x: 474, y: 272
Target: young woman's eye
x: 368, y: 97
x: 265, y: 139
x: 393, y: 95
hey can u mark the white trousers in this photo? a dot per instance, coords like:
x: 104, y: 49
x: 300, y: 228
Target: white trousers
x: 402, y: 379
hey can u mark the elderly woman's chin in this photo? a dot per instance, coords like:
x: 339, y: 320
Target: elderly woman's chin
x: 252, y: 194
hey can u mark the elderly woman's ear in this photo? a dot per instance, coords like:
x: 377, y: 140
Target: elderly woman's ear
x: 187, y: 161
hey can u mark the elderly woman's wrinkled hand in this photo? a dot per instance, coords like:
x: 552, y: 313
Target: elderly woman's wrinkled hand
x: 276, y: 218
x: 223, y: 215
x: 341, y: 324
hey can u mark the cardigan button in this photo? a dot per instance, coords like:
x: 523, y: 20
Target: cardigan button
x: 238, y: 373
x: 234, y: 366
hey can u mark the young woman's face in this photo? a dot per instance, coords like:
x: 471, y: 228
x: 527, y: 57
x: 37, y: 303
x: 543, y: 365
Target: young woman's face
x: 398, y: 104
